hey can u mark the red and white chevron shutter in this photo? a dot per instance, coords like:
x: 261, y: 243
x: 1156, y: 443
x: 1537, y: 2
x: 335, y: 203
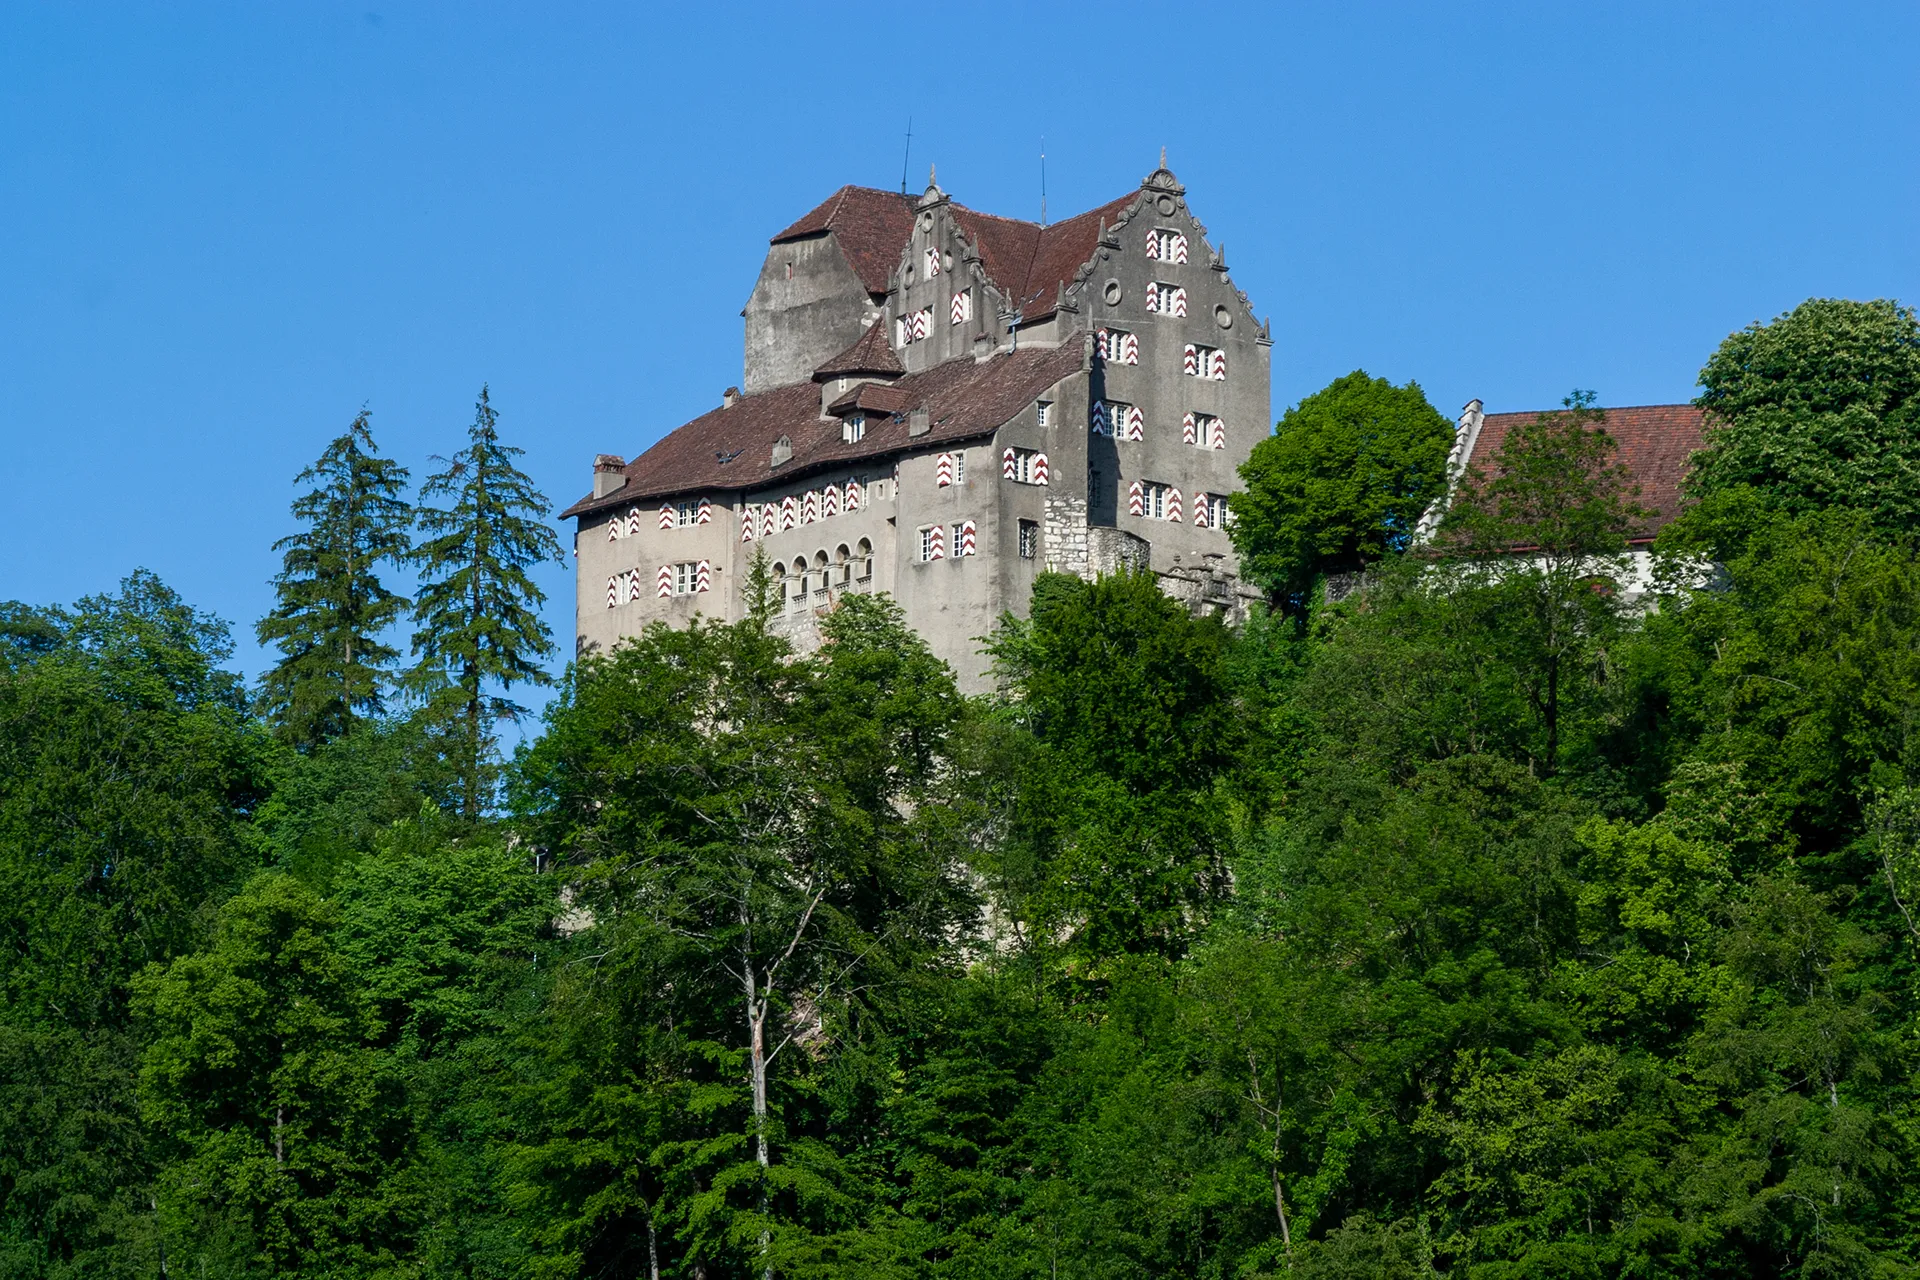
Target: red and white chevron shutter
x: 830, y: 505
x: 1217, y: 368
x: 1217, y: 434
x: 1136, y: 424
x: 1191, y: 366
x: 746, y: 522
x: 919, y: 324
x: 854, y: 496
x: 933, y: 263
x: 937, y: 543
x: 636, y: 581
x: 1187, y: 435
x: 810, y: 511
x: 1136, y: 499
x: 1200, y: 509
x: 1153, y: 245
x: 1180, y: 249
x: 789, y: 511
x: 1040, y: 468
x: 1129, y: 348
x: 1173, y: 505
x: 1102, y: 418
x: 943, y: 471
x: 665, y: 580
x: 706, y: 512
x: 1100, y: 338
x: 962, y: 310
x: 616, y: 529
x: 969, y: 542
x: 633, y: 523
x: 769, y: 520
x: 1180, y: 304
x: 666, y: 515
x: 703, y: 577
x: 1008, y: 464
x: 613, y: 590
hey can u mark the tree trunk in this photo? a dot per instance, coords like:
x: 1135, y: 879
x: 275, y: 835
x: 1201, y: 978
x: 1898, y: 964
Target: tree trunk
x: 757, y: 1080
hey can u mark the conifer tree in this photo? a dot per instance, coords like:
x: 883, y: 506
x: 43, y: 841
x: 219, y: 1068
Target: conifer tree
x: 477, y: 611
x: 332, y: 606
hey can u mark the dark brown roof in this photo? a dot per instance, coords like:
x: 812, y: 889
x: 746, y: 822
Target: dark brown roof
x: 873, y: 397
x: 1655, y: 443
x: 870, y: 353
x: 962, y: 398
x: 870, y: 226
x: 1031, y: 262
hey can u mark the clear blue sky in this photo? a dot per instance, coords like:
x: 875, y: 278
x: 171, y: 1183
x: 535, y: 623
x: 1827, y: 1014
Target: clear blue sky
x: 224, y: 227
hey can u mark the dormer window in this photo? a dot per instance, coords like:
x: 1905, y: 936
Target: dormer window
x: 853, y: 427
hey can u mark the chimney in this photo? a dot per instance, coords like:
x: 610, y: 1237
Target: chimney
x: 918, y: 423
x: 607, y: 474
x: 729, y: 397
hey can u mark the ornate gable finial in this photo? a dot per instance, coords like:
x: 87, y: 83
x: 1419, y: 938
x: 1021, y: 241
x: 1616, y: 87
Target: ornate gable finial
x: 1162, y: 179
x: 1163, y: 155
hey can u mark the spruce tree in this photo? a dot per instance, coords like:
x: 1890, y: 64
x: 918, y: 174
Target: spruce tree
x: 477, y: 610
x: 332, y: 606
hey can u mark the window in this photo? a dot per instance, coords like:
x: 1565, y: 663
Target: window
x: 1167, y: 299
x: 913, y: 327
x: 1216, y: 511
x: 1204, y: 431
x: 933, y: 542
x: 685, y: 577
x: 853, y: 427
x: 1119, y: 419
x: 1029, y: 539
x: 1023, y: 466
x: 1152, y: 500
x: 933, y: 263
x: 959, y: 466
x: 962, y: 542
x: 1167, y: 246
x: 962, y: 309
x: 1117, y: 346
x: 1043, y: 411
x: 1205, y: 362
x: 863, y: 560
x: 795, y: 586
x: 821, y: 580
x: 685, y: 514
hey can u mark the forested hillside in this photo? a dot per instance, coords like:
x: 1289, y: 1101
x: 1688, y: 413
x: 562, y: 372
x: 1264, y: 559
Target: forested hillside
x: 1492, y: 921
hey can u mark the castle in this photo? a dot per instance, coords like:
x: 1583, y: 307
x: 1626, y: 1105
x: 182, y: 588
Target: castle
x: 940, y: 404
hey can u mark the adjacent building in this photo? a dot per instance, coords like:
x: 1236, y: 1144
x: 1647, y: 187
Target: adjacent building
x: 940, y: 404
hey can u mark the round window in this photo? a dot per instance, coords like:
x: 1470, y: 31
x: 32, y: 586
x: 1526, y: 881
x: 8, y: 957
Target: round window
x: 1223, y: 317
x: 1112, y: 293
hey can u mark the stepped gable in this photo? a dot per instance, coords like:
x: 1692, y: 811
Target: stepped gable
x: 870, y: 353
x: 870, y: 226
x: 1030, y: 263
x: 963, y: 400
x: 1656, y: 443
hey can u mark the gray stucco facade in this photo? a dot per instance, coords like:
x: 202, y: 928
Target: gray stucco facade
x: 1005, y: 399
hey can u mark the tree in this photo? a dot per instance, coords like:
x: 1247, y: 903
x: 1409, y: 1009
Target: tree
x: 1819, y: 408
x: 1544, y: 533
x: 757, y: 849
x: 1340, y: 484
x: 477, y: 608
x: 331, y: 605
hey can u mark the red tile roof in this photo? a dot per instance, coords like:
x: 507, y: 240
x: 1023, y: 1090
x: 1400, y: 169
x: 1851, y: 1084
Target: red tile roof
x: 870, y: 226
x: 963, y: 399
x: 1026, y: 260
x: 1030, y: 262
x: 1655, y: 443
x: 870, y: 353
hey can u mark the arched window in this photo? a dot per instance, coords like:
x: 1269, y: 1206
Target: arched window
x: 794, y: 585
x: 863, y: 560
x: 842, y: 567
x: 820, y: 581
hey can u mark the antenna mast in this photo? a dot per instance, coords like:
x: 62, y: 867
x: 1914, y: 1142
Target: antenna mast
x: 907, y: 157
x: 1043, y: 179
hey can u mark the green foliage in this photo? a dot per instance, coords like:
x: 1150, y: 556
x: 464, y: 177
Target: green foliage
x: 477, y: 608
x: 1340, y: 484
x: 1818, y: 410
x: 331, y: 607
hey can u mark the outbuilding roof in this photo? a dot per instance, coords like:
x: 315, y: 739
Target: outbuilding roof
x: 1655, y: 443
